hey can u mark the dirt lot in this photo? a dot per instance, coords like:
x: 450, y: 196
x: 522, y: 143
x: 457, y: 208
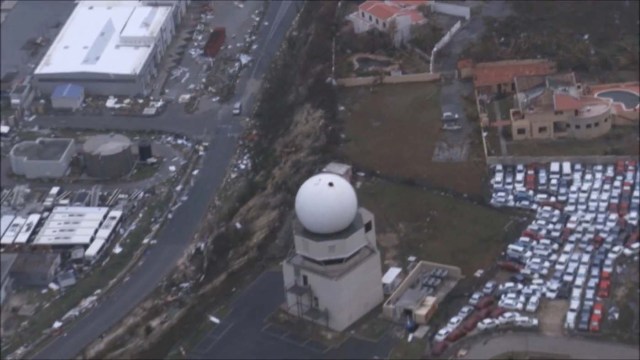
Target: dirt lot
x: 434, y: 227
x: 619, y: 141
x: 551, y: 316
x: 394, y: 130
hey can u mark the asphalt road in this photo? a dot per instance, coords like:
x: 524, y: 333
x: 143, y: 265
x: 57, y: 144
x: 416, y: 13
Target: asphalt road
x: 244, y: 333
x: 575, y: 348
x: 176, y: 235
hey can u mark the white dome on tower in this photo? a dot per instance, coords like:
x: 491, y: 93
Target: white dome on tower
x: 326, y: 203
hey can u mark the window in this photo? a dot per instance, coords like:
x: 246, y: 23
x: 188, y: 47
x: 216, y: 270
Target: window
x: 377, y: 22
x: 606, y: 119
x: 305, y: 280
x: 577, y: 127
x: 362, y: 13
x: 521, y: 131
x: 588, y: 126
x: 315, y: 302
x: 384, y: 24
x: 596, y: 124
x: 542, y: 129
x: 368, y: 226
x: 370, y: 19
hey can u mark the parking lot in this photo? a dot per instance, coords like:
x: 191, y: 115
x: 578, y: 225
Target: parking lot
x: 568, y: 269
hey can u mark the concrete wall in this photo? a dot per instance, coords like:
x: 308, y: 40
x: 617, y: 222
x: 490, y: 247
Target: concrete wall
x: 33, y: 169
x: 451, y: 9
x: 348, y: 298
x: 396, y: 79
x: 595, y: 159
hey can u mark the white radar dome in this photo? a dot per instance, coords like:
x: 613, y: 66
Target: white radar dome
x: 326, y: 203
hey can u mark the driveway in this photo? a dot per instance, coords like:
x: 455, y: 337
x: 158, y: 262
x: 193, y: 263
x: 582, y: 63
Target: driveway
x: 575, y: 348
x: 244, y: 333
x: 174, y: 238
x: 453, y: 145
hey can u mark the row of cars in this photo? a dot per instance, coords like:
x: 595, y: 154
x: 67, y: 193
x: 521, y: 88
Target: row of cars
x: 585, y: 221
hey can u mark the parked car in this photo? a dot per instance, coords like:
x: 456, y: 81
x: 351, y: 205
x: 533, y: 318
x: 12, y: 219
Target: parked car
x: 489, y: 287
x: 442, y: 334
x: 439, y: 347
x: 487, y: 324
x: 475, y: 297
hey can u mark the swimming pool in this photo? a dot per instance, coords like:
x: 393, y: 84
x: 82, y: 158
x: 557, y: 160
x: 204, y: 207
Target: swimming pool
x: 629, y: 99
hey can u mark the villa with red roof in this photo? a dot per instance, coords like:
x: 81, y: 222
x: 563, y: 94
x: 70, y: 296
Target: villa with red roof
x: 389, y: 14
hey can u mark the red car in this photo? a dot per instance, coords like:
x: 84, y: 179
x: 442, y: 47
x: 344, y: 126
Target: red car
x: 471, y: 323
x: 439, y: 347
x: 509, y: 266
x: 605, y: 275
x: 485, y: 302
x: 495, y: 313
x: 594, y: 325
x: 598, y: 310
x: 457, y: 334
x: 603, y: 289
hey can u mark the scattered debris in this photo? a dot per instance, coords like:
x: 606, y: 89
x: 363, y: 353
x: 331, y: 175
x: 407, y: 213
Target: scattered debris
x: 117, y: 249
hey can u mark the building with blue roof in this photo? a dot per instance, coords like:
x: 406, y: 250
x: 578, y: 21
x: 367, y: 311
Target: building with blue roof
x: 67, y: 96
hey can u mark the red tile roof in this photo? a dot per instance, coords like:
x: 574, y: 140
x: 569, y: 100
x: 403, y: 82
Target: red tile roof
x: 502, y: 72
x: 378, y: 9
x: 563, y: 102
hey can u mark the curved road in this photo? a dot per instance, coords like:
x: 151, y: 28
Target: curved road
x: 573, y: 347
x: 177, y: 233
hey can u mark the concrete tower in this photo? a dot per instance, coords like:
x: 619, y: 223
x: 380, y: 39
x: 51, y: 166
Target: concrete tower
x: 334, y: 276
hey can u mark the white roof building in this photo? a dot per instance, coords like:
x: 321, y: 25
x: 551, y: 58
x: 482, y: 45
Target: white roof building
x: 71, y: 225
x: 13, y: 230
x: 106, y: 37
x: 27, y: 229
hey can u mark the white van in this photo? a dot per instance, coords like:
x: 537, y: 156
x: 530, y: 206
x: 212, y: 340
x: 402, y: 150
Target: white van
x: 554, y: 170
x: 566, y: 170
x: 515, y: 250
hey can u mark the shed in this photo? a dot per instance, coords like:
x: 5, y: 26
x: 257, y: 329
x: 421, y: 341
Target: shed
x: 391, y: 279
x: 35, y: 269
x: 67, y: 96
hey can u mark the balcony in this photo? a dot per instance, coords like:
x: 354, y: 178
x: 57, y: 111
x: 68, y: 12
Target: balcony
x: 299, y: 290
x: 316, y: 314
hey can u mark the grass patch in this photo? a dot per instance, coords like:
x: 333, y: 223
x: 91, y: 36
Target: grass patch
x: 619, y: 141
x: 143, y: 172
x: 435, y: 227
x: 394, y: 129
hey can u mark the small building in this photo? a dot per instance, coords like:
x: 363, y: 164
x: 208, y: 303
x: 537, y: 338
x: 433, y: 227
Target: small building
x: 6, y: 263
x: 108, y: 156
x: 66, y: 279
x: 499, y: 76
x: 35, y: 269
x: 337, y: 168
x: 418, y: 295
x: 22, y: 95
x: 385, y: 16
x: 391, y: 279
x: 42, y: 158
x: 67, y: 97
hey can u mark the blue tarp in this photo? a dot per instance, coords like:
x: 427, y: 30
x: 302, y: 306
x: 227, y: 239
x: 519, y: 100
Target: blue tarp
x: 68, y: 91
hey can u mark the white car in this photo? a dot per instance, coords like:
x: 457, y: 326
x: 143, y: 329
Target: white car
x: 615, y: 252
x: 487, y: 324
x: 533, y: 304
x: 237, y: 108
x: 632, y: 250
x: 507, y: 318
x: 465, y: 311
x: 632, y: 218
x: 454, y: 322
x: 442, y: 334
x: 527, y: 322
x: 475, y: 297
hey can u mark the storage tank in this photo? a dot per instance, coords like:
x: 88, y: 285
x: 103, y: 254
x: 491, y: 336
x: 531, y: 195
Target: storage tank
x: 108, y: 156
x: 144, y: 150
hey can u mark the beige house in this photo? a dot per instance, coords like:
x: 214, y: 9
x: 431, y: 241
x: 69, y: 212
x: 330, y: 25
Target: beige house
x: 397, y: 16
x: 555, y: 107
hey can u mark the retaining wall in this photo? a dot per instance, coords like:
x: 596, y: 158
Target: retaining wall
x: 451, y: 9
x: 393, y: 79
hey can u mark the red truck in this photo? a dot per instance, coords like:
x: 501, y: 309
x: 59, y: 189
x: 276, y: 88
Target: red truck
x: 215, y: 41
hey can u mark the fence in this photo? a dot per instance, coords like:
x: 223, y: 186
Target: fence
x: 591, y: 159
x: 443, y: 41
x: 451, y: 9
x: 393, y: 79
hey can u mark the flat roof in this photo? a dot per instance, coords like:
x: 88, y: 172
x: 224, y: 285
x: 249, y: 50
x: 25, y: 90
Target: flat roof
x: 94, y: 39
x: 14, y: 229
x: 63, y: 240
x: 80, y: 209
x: 27, y: 229
x: 5, y: 221
x: 42, y: 149
x: 391, y: 275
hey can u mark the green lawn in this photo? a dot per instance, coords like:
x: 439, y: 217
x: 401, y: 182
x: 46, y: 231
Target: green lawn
x: 436, y: 227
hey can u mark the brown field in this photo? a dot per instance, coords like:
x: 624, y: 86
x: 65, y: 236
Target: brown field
x: 394, y: 130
